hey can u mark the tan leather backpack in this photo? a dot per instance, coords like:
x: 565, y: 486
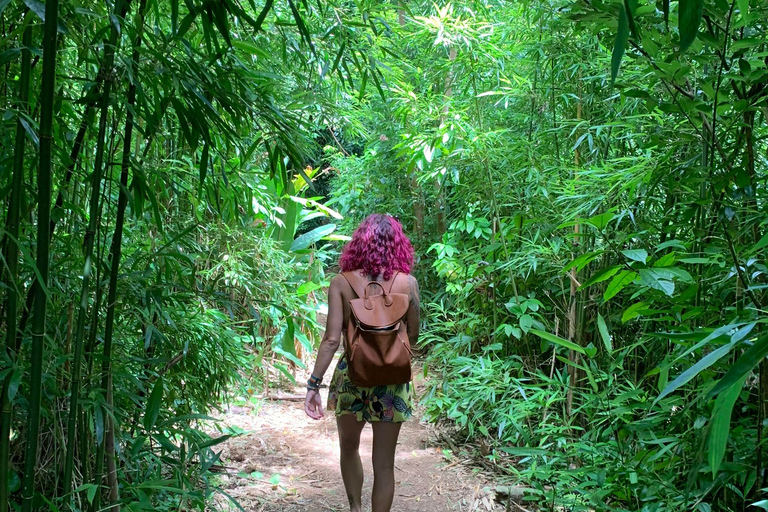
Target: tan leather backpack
x: 378, y: 349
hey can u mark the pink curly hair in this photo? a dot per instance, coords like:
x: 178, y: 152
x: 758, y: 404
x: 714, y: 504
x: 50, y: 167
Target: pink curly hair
x: 378, y: 247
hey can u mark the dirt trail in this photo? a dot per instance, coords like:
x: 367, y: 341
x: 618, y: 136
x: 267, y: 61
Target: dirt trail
x: 286, y: 462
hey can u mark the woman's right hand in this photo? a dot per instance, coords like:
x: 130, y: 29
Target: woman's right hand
x: 313, y: 404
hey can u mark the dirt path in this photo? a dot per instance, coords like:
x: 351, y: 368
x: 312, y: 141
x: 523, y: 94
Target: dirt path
x: 285, y: 462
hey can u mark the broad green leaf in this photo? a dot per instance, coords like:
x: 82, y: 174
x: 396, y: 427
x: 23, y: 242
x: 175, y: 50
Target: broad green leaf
x: 666, y: 260
x: 152, y: 408
x: 620, y: 45
x: 310, y: 237
x: 558, y: 340
x: 689, y: 19
x: 640, y: 255
x: 526, y: 322
x: 720, y: 424
x: 743, y: 365
x: 601, y: 221
x: 653, y: 279
x: 621, y: 280
x: 604, y: 334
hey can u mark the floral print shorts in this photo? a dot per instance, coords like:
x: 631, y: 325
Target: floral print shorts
x: 390, y: 403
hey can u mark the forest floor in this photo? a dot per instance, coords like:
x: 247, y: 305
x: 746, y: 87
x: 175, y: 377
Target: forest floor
x: 282, y: 461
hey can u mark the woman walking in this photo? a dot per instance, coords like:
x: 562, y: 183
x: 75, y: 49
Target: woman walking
x: 379, y: 251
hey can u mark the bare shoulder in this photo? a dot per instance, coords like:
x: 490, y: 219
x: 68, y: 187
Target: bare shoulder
x: 413, y: 284
x: 338, y: 282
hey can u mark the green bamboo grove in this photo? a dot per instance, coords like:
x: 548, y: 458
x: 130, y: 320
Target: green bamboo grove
x: 583, y: 182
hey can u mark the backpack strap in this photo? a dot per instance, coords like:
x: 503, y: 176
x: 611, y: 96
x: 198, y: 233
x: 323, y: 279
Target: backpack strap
x: 392, y: 283
x: 359, y: 284
x: 356, y: 283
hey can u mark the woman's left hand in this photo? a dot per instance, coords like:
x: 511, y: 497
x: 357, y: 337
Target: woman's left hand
x: 313, y: 404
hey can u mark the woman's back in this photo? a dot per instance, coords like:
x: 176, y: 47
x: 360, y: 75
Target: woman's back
x: 339, y: 311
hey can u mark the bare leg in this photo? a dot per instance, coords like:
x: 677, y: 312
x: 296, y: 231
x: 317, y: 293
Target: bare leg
x: 384, y: 444
x: 351, y: 467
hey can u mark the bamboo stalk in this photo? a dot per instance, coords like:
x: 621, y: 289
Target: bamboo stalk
x: 115, y: 253
x: 48, y: 87
x: 85, y: 293
x: 11, y: 256
x: 573, y: 317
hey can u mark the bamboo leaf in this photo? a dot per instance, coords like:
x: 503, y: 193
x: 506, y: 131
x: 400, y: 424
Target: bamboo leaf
x: 689, y: 19
x: 702, y: 364
x: 557, y: 340
x: 263, y: 14
x: 621, y: 280
x: 743, y: 8
x: 742, y: 366
x: 204, y: 158
x: 37, y: 7
x: 603, y: 329
x: 720, y: 424
x: 310, y: 237
x: 14, y: 383
x: 9, y: 56
x: 221, y: 21
x: 629, y: 8
x: 186, y: 23
x: 601, y: 276
x: 620, y: 45
x: 214, y: 441
x: 303, y: 30
x: 761, y: 243
x: 634, y: 311
x: 152, y: 408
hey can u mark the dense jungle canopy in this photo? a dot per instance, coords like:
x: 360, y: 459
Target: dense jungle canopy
x: 583, y: 180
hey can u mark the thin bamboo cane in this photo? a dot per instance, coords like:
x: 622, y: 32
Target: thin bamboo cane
x: 48, y: 87
x: 115, y: 253
x: 11, y: 255
x: 94, y: 208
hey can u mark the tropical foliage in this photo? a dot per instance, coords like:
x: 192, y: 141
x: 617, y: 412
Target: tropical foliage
x: 583, y: 181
